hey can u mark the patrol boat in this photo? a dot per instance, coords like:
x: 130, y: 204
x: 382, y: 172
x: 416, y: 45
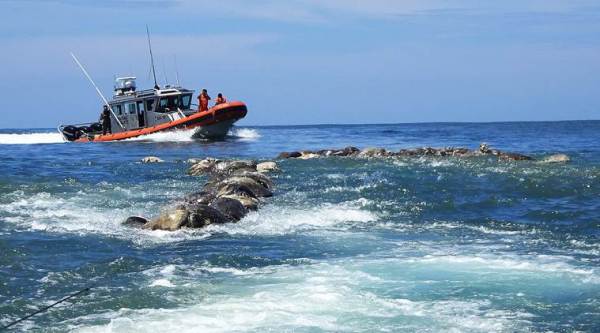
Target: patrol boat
x: 135, y: 113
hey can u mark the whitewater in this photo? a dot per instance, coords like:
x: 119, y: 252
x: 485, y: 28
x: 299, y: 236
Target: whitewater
x: 345, y: 245
x: 41, y: 136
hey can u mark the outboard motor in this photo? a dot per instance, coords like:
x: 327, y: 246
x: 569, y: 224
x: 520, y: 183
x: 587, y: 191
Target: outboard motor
x: 71, y: 133
x: 85, y: 129
x: 96, y: 127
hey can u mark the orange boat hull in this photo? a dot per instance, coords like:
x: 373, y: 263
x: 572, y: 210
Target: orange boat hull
x: 216, y: 114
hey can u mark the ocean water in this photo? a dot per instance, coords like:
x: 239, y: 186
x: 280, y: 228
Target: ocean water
x: 345, y: 245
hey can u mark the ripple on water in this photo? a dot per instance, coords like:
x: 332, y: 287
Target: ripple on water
x: 461, y: 245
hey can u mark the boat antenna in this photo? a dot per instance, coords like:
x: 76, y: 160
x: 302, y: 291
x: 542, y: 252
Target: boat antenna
x: 176, y: 71
x: 165, y: 73
x: 151, y: 58
x: 97, y: 90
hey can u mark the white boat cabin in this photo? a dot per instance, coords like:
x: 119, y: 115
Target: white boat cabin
x: 147, y: 108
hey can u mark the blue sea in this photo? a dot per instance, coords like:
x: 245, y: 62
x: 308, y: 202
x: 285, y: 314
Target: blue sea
x: 436, y: 244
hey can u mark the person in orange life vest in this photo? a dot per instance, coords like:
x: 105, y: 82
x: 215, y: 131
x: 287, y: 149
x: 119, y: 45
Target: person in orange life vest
x: 203, y: 99
x: 220, y: 99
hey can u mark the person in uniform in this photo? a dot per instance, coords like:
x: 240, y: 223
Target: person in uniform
x: 220, y: 99
x: 203, y: 99
x: 105, y: 120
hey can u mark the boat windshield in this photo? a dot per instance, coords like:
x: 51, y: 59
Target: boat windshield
x: 171, y: 103
x: 186, y: 101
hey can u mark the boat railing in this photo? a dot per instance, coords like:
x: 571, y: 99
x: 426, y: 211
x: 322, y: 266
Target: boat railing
x: 59, y: 129
x: 78, y: 125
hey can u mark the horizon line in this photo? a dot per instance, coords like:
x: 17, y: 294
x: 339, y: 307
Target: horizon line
x: 376, y: 124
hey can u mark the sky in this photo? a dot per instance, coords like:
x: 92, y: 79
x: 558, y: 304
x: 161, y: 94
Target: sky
x: 309, y: 61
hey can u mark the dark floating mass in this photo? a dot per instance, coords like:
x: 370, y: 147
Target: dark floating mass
x: 236, y: 187
x: 484, y: 150
x: 233, y: 188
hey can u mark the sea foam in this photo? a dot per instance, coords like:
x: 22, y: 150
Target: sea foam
x: 279, y: 220
x: 315, y: 297
x: 167, y: 136
x: 245, y: 134
x: 30, y: 138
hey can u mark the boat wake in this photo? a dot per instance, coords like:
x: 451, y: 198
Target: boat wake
x: 167, y: 136
x: 242, y: 134
x: 245, y: 134
x: 30, y: 138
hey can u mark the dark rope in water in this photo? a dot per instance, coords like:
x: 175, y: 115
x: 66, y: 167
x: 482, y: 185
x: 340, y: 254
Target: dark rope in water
x: 46, y: 308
